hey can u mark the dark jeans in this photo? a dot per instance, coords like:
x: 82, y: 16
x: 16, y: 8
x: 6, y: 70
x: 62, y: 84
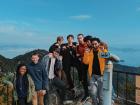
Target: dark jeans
x: 78, y: 66
x: 67, y: 70
x: 60, y: 85
x: 85, y: 83
x: 23, y: 101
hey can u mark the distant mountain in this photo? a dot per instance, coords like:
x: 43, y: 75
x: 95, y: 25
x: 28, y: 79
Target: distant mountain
x: 5, y: 63
x: 26, y: 58
x: 2, y: 58
x: 9, y: 65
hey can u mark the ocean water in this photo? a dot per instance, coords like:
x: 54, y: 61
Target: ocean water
x: 130, y: 56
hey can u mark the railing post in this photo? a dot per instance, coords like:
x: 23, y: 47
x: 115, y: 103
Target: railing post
x: 126, y: 88
x: 107, y: 83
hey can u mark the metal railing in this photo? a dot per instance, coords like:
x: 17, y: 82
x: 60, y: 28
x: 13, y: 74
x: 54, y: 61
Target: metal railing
x: 123, y: 78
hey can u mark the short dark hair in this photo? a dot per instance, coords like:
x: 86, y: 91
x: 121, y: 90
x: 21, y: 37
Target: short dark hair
x: 59, y: 38
x: 70, y: 36
x: 86, y: 38
x: 96, y: 39
x: 35, y: 53
x: 80, y: 35
x: 56, y: 49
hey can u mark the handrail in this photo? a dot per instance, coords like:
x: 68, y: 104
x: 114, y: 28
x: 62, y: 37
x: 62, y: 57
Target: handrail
x: 126, y: 74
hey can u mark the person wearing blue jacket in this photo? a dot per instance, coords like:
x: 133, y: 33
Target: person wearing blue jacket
x: 39, y: 77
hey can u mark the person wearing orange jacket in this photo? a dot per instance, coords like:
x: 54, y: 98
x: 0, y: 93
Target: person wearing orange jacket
x: 95, y: 70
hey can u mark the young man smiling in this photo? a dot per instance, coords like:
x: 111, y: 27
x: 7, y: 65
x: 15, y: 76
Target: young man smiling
x: 95, y: 70
x: 40, y: 79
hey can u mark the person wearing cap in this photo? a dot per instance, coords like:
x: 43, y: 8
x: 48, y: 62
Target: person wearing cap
x: 52, y: 64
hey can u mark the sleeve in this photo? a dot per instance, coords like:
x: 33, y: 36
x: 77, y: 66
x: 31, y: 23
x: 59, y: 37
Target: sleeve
x: 77, y: 49
x: 51, y: 48
x: 45, y: 79
x: 114, y: 57
x: 74, y: 51
x: 44, y: 65
x: 59, y: 65
x: 32, y: 86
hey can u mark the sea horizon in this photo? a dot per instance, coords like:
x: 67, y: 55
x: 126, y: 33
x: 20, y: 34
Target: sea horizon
x: 129, y: 55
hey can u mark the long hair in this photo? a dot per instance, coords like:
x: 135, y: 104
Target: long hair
x: 18, y: 68
x: 25, y: 78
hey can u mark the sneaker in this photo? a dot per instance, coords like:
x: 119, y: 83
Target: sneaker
x: 67, y: 100
x: 84, y: 99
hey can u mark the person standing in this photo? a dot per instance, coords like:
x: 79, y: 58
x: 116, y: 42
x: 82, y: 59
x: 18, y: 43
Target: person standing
x: 95, y: 70
x: 68, y: 53
x: 24, y: 88
x: 40, y: 79
x: 83, y: 44
x: 80, y: 48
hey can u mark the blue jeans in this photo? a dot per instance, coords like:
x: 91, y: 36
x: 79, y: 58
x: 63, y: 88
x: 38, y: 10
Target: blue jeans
x: 96, y: 89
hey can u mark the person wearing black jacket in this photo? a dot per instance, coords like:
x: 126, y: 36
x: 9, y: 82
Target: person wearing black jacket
x: 40, y: 79
x: 68, y: 53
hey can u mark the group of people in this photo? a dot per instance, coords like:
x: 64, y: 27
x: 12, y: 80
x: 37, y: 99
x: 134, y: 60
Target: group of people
x: 34, y: 81
x: 86, y: 57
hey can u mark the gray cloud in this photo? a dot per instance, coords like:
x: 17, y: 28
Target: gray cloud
x: 81, y: 17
